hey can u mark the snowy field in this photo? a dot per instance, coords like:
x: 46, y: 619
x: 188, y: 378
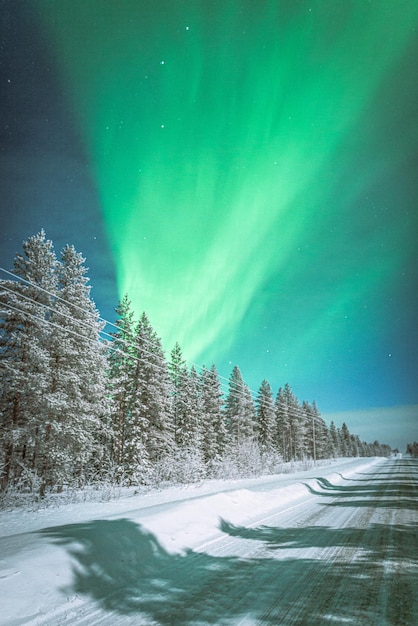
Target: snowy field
x: 190, y: 555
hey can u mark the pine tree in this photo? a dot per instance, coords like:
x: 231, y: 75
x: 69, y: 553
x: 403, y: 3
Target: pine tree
x: 291, y: 423
x: 194, y: 407
x: 317, y: 440
x: 355, y: 445
x: 121, y: 381
x: 266, y: 418
x: 213, y: 420
x: 177, y: 366
x: 240, y: 410
x: 299, y: 427
x: 335, y: 440
x: 25, y: 332
x: 345, y: 440
x: 283, y: 433
x: 77, y: 430
x: 181, y: 402
x: 324, y: 440
x: 153, y: 391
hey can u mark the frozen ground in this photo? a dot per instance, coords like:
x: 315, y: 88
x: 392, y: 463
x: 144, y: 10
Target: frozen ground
x: 334, y: 545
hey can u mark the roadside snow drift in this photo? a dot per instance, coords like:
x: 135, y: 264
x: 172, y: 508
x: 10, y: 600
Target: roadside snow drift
x: 45, y: 554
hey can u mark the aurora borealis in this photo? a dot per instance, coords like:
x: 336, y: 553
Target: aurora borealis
x: 254, y: 165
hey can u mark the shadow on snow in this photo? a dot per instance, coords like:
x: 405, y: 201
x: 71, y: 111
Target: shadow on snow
x: 398, y: 491
x: 124, y: 569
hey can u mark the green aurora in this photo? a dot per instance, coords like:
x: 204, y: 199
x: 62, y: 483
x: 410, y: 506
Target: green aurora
x: 241, y: 169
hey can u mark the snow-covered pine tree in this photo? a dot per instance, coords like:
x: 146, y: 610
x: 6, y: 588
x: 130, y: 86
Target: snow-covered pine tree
x: 298, y: 426
x: 179, y: 378
x: 154, y: 391
x: 292, y: 424
x: 327, y: 449
x: 284, y: 439
x: 121, y: 382
x: 311, y: 431
x: 193, y: 436
x: 345, y: 440
x: 325, y: 446
x: 323, y: 439
x: 25, y: 334
x: 188, y: 460
x: 78, y: 429
x: 135, y: 461
x: 213, y: 421
x: 176, y: 367
x: 355, y: 445
x: 240, y: 409
x: 334, y: 440
x: 132, y: 426
x: 266, y: 418
x: 187, y: 404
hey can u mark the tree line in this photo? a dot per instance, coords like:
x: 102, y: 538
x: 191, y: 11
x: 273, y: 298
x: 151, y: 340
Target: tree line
x: 77, y: 405
x: 412, y: 449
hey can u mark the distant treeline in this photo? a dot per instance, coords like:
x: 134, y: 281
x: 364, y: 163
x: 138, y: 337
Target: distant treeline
x: 412, y: 449
x: 78, y: 406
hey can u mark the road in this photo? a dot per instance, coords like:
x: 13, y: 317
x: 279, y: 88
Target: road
x: 345, y: 554
x: 349, y: 557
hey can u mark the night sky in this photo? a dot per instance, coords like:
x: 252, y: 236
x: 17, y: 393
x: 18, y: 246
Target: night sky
x: 247, y: 171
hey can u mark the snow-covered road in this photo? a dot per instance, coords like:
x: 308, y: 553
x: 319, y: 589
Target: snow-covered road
x: 334, y: 545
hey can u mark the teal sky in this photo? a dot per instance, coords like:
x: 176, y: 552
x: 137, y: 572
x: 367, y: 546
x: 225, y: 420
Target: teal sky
x: 254, y: 166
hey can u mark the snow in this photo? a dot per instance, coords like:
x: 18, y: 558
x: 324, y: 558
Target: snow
x: 38, y: 548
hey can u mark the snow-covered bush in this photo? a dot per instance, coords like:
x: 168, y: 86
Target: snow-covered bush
x: 246, y: 460
x: 183, y: 466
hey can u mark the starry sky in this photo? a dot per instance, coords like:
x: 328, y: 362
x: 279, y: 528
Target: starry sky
x: 246, y: 171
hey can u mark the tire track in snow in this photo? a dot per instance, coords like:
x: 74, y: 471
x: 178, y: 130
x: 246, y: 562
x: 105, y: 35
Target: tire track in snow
x: 350, y: 580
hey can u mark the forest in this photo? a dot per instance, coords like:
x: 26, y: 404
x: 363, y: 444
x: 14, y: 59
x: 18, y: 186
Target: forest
x: 80, y: 406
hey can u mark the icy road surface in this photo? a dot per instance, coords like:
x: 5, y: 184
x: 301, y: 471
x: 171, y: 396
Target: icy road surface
x: 335, y: 545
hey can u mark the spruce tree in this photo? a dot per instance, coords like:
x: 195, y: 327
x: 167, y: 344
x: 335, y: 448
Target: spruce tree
x: 181, y: 402
x: 214, y: 430
x: 25, y: 333
x: 355, y: 445
x: 121, y: 382
x: 78, y: 429
x: 240, y: 410
x: 345, y: 439
x: 335, y: 440
x: 299, y: 426
x: 153, y: 391
x: 283, y: 433
x: 193, y: 435
x: 266, y: 418
x: 292, y: 425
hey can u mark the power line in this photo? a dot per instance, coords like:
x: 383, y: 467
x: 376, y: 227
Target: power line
x: 78, y: 335
x: 95, y: 341
x: 53, y: 295
x: 57, y: 297
x: 88, y: 326
x: 36, y: 317
x: 56, y: 312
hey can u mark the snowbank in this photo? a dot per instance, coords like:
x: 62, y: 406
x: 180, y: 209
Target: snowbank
x: 36, y: 548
